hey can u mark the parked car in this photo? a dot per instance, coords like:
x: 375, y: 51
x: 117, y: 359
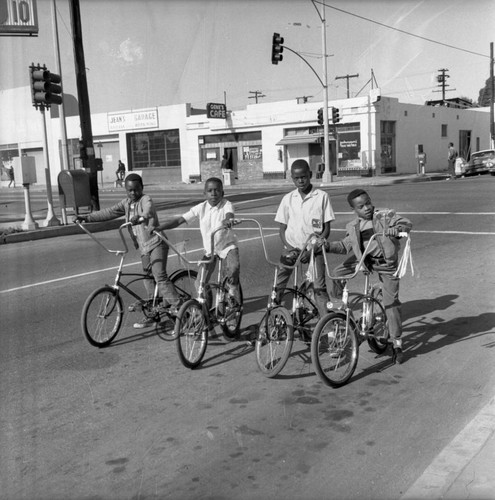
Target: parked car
x: 481, y: 162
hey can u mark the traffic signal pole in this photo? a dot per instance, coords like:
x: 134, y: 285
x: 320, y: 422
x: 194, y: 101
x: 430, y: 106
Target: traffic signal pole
x: 327, y: 174
x: 87, y: 150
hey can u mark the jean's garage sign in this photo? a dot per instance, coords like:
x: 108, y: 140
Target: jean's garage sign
x: 133, y: 120
x: 18, y: 17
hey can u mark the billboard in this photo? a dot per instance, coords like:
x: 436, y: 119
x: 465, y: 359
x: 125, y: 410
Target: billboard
x: 18, y: 17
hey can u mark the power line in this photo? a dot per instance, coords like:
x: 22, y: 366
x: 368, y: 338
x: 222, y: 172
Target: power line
x: 402, y: 31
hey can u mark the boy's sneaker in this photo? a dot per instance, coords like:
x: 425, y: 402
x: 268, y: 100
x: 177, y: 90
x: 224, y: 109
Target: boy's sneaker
x: 397, y: 356
x: 145, y: 323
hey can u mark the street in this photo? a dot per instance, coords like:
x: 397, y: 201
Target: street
x: 129, y: 421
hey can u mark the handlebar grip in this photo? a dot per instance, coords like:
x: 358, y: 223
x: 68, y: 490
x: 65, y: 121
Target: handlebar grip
x: 403, y: 234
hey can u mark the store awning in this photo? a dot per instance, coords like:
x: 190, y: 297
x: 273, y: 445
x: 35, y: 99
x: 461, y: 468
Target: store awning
x: 299, y: 139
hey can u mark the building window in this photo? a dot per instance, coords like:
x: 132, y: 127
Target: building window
x: 235, y: 137
x: 160, y: 148
x: 405, y: 112
x: 210, y: 154
x: 444, y: 130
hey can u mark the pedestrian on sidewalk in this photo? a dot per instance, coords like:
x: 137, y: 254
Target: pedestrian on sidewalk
x: 120, y: 172
x: 10, y: 173
x: 451, y: 157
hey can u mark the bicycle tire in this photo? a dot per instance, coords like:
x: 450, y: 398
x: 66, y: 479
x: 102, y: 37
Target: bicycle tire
x: 379, y: 334
x: 191, y: 330
x: 274, y: 341
x: 306, y: 317
x: 184, y: 281
x: 232, y: 311
x: 101, y: 316
x: 335, y: 349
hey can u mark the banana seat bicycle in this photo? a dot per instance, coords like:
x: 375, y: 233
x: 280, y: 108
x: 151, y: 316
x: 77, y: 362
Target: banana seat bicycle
x: 215, y: 303
x: 103, y: 311
x: 290, y: 310
x: 338, y: 335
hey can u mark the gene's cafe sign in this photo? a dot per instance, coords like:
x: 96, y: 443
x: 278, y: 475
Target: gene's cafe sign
x: 215, y: 110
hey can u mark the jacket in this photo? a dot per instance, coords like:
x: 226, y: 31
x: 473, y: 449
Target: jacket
x: 389, y: 245
x: 141, y: 234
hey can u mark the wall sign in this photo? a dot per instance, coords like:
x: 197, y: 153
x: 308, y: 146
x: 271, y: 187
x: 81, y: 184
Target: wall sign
x: 216, y: 110
x: 18, y: 17
x: 133, y: 120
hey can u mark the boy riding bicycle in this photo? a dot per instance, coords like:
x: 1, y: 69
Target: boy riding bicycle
x: 138, y: 209
x: 383, y: 257
x: 212, y: 213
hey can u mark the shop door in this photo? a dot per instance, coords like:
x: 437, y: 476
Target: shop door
x: 232, y: 159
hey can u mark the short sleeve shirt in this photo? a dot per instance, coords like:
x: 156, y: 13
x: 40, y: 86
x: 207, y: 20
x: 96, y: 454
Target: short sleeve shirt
x: 304, y: 216
x: 209, y: 219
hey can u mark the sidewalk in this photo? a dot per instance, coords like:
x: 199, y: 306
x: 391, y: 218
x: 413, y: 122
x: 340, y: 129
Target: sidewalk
x: 11, y: 227
x: 465, y: 468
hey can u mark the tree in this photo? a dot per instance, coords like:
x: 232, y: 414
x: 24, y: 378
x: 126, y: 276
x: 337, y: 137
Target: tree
x: 485, y: 96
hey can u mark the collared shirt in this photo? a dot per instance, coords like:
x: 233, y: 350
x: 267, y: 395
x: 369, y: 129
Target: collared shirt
x: 304, y: 216
x: 209, y: 219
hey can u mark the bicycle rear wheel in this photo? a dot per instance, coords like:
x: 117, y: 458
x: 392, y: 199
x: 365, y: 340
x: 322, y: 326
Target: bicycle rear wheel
x: 232, y: 311
x: 379, y: 333
x: 191, y: 330
x: 184, y: 282
x: 274, y: 342
x: 101, y: 316
x: 335, y: 349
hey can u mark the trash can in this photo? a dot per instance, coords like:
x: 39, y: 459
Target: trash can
x: 228, y: 177
x: 73, y: 189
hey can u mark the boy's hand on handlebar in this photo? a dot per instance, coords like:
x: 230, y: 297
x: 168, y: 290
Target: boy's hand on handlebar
x: 395, y: 231
x: 136, y: 219
x: 80, y: 219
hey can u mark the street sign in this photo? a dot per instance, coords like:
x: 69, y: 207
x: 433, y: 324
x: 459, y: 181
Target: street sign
x: 214, y: 110
x: 18, y: 17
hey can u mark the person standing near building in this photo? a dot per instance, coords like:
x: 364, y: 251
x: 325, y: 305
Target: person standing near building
x: 10, y: 172
x: 452, y: 156
x: 120, y: 171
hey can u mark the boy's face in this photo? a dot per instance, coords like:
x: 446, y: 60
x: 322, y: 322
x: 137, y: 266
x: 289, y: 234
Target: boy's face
x: 363, y: 207
x: 213, y: 193
x: 134, y: 190
x: 301, y: 177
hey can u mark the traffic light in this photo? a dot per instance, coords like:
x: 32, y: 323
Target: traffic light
x: 45, y: 88
x: 335, y: 115
x: 277, y: 48
x: 320, y: 116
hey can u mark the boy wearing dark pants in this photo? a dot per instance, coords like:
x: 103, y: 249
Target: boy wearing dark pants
x: 302, y: 213
x: 383, y: 257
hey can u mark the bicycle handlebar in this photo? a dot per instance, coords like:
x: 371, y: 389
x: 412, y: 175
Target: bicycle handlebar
x: 310, y: 242
x: 116, y: 252
x: 360, y: 265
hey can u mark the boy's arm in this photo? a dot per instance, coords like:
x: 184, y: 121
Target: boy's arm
x: 114, y: 212
x: 399, y: 224
x: 171, y: 223
x: 281, y: 232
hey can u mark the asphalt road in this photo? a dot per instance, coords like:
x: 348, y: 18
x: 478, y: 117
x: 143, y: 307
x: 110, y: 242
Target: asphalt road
x: 131, y: 422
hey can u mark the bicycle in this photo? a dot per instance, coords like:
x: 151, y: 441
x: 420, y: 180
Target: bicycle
x: 216, y: 303
x: 338, y: 335
x: 103, y: 310
x: 296, y: 311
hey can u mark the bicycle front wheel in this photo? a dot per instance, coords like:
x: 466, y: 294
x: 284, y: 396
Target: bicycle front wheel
x: 191, y: 330
x: 274, y: 342
x: 335, y: 349
x: 184, y: 282
x: 101, y: 316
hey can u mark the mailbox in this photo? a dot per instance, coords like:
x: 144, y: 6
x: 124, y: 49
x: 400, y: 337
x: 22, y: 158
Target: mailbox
x: 73, y: 189
x: 24, y: 169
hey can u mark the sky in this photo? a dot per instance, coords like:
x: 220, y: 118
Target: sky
x: 146, y: 53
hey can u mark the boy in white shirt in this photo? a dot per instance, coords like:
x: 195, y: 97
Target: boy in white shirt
x: 212, y: 213
x: 301, y: 213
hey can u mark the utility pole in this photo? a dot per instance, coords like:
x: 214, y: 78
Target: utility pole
x: 347, y: 77
x: 492, y: 99
x: 304, y: 99
x: 87, y: 148
x: 257, y: 93
x: 442, y: 82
